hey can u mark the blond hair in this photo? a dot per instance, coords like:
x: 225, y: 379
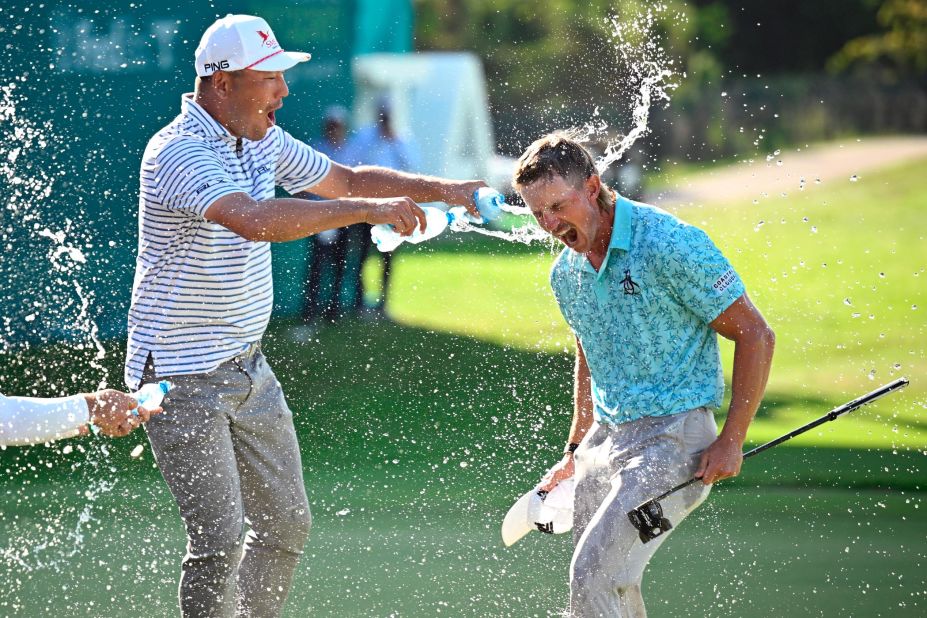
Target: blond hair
x: 560, y: 154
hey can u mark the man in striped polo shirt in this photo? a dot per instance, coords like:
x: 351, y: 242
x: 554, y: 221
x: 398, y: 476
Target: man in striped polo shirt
x: 202, y: 298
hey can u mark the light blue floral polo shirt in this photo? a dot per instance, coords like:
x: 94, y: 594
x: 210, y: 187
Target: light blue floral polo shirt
x: 642, y: 319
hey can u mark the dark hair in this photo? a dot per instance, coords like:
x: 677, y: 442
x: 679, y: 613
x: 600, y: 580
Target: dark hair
x: 559, y: 154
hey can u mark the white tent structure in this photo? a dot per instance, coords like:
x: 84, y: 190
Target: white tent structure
x: 439, y: 101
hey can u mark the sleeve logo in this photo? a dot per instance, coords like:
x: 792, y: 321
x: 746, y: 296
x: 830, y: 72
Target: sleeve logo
x: 725, y: 280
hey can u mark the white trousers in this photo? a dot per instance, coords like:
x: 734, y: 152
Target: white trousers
x: 617, y: 468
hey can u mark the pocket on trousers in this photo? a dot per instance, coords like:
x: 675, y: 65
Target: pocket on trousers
x: 699, y: 430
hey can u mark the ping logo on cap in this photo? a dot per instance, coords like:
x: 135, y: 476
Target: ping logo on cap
x: 219, y: 65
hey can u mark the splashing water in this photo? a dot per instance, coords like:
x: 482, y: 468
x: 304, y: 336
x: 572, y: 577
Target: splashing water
x: 82, y: 322
x: 58, y: 303
x: 651, y: 79
x: 52, y: 550
x: 58, y: 306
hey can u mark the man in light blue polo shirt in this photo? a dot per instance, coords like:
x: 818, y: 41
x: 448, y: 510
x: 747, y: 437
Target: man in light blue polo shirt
x: 645, y: 295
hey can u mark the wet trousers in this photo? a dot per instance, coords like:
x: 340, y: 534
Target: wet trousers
x: 227, y: 449
x: 617, y: 468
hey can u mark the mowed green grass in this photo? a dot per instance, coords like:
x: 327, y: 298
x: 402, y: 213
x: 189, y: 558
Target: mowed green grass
x: 839, y: 272
x: 417, y: 435
x: 765, y: 553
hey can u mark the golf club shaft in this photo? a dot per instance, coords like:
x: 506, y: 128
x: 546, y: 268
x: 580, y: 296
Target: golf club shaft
x: 833, y: 414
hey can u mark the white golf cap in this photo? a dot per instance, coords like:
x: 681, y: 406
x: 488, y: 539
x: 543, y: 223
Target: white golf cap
x: 238, y: 42
x: 538, y: 510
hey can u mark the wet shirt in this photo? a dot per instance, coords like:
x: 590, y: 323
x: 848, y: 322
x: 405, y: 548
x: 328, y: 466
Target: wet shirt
x: 202, y: 293
x: 643, y: 317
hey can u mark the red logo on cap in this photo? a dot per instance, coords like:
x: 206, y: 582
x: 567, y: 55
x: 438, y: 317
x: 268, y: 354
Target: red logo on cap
x: 266, y: 41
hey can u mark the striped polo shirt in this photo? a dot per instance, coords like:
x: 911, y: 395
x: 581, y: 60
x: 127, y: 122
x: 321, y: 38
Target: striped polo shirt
x: 202, y: 293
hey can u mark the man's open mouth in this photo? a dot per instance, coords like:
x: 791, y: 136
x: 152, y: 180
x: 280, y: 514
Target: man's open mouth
x: 272, y: 116
x: 568, y: 236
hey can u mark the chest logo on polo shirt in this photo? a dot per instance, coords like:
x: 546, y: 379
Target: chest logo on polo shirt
x: 629, y: 285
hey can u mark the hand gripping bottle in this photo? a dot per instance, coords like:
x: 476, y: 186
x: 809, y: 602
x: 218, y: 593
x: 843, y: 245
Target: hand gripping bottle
x: 151, y: 395
x: 387, y: 238
x: 489, y: 203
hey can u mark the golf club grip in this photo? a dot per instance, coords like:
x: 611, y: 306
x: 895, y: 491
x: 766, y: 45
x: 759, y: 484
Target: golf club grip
x: 833, y: 414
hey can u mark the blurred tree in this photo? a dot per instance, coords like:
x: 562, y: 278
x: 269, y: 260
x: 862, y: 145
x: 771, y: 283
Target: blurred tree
x: 549, y: 64
x: 900, y: 50
x: 755, y: 67
x: 786, y: 36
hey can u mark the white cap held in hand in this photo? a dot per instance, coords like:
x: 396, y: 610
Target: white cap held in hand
x: 538, y: 510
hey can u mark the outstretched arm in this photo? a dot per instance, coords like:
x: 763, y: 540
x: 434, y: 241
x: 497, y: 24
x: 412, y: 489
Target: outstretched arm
x: 372, y: 181
x: 359, y: 195
x: 284, y: 219
x: 754, y: 342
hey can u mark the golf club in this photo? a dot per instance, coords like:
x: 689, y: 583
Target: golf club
x: 648, y: 517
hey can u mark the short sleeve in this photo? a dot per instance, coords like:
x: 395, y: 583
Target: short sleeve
x: 299, y: 166
x: 186, y: 175
x: 698, y: 274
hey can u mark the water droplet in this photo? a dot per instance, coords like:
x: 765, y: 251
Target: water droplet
x: 847, y: 302
x: 882, y: 275
x: 137, y: 451
x: 854, y: 178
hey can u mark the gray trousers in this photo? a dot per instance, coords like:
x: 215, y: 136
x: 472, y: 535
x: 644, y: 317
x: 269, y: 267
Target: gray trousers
x: 617, y: 468
x: 226, y: 446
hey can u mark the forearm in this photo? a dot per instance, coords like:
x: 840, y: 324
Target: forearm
x: 752, y: 362
x: 373, y: 181
x: 27, y: 420
x: 294, y: 218
x: 582, y: 399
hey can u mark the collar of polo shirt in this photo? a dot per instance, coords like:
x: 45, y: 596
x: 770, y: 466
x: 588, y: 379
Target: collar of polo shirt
x: 620, y: 239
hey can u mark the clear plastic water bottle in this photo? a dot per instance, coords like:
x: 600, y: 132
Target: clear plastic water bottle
x: 489, y: 202
x: 148, y: 397
x: 387, y: 238
x: 151, y: 395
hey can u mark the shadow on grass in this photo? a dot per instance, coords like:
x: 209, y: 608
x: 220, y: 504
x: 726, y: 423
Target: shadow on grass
x: 385, y: 405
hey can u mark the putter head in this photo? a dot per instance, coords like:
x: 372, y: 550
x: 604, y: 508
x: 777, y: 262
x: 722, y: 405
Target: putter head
x: 649, y: 521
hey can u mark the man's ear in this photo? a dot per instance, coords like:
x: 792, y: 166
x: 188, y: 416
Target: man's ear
x: 222, y: 83
x: 593, y: 187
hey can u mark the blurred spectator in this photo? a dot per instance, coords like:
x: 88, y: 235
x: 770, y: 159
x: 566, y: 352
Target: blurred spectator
x: 328, y: 249
x: 377, y: 144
